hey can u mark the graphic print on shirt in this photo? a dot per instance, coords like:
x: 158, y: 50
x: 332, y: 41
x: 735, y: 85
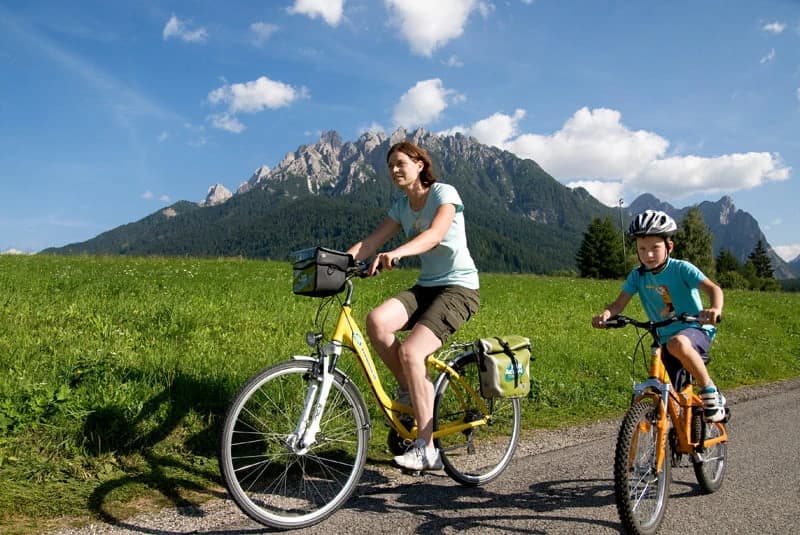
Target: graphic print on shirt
x: 669, y: 308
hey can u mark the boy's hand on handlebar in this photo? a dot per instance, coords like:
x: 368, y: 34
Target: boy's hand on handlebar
x: 599, y: 321
x: 710, y: 316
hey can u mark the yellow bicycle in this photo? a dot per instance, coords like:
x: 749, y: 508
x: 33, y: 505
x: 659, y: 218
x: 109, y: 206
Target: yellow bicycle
x: 294, y: 440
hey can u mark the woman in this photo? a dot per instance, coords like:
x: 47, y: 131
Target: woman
x: 444, y: 296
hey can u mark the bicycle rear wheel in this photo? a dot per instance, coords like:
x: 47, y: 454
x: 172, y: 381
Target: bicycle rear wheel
x: 480, y: 454
x: 709, y: 466
x: 267, y: 478
x: 641, y: 492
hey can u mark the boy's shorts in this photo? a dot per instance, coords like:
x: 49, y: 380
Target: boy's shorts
x: 701, y: 343
x: 442, y: 309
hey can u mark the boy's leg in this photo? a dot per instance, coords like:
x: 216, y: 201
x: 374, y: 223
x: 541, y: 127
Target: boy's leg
x: 689, y: 347
x: 684, y: 346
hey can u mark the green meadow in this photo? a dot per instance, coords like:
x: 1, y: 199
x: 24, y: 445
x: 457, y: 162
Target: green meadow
x: 115, y: 372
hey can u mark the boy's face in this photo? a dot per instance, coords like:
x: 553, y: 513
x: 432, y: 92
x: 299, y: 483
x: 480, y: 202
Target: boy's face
x: 653, y: 251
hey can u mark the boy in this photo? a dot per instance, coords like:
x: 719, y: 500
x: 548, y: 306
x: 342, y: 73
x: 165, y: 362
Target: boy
x: 669, y: 287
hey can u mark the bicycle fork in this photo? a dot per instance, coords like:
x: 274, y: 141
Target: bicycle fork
x: 660, y: 391
x: 319, y: 386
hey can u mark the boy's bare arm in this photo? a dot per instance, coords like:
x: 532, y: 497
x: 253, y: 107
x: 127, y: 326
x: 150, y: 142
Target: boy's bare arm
x: 716, y: 299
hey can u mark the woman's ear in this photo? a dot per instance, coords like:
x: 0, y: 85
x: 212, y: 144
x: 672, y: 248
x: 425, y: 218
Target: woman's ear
x: 670, y: 246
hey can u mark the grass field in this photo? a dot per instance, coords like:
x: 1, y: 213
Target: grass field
x: 116, y: 371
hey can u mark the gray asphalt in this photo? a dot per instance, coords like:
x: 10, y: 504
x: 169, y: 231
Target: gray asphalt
x: 558, y: 483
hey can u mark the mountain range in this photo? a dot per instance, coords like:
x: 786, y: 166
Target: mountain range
x: 332, y: 193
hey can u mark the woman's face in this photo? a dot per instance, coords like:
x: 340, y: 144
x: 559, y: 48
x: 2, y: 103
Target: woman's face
x: 653, y: 251
x: 403, y: 169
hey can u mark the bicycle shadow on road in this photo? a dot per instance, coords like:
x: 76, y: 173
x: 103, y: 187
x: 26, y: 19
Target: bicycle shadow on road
x: 443, y: 505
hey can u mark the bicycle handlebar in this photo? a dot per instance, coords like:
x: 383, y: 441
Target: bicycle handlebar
x: 360, y: 268
x: 619, y: 321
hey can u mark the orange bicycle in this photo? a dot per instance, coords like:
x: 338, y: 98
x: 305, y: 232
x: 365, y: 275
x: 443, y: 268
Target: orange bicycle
x: 665, y: 422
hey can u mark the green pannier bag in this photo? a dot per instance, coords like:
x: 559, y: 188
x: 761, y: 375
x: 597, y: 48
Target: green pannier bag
x: 504, y: 363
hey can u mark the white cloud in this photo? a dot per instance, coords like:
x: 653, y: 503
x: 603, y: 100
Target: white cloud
x: 424, y: 103
x: 176, y: 27
x: 163, y: 136
x: 797, y: 94
x: 164, y: 198
x: 255, y: 96
x: 147, y: 195
x: 228, y: 122
x: 774, y: 27
x: 494, y: 130
x: 329, y: 10
x: 769, y: 58
x: 680, y: 176
x: 261, y: 32
x: 608, y: 193
x: 788, y: 252
x: 453, y: 61
x: 430, y: 25
x: 592, y: 144
x: 251, y: 97
x: 594, y: 150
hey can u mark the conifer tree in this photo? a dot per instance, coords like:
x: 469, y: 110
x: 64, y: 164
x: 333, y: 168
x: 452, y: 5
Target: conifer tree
x: 600, y: 253
x: 694, y: 242
x: 761, y: 261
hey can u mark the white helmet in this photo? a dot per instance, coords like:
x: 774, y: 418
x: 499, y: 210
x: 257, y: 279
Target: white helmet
x: 652, y: 223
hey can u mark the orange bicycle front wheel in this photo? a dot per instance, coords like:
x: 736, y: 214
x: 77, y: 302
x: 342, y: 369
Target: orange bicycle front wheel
x: 640, y: 488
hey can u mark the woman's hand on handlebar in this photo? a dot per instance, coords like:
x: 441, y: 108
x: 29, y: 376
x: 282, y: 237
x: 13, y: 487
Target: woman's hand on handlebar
x: 383, y: 261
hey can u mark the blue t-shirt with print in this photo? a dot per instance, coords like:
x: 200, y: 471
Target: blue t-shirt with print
x: 449, y: 263
x: 671, y: 292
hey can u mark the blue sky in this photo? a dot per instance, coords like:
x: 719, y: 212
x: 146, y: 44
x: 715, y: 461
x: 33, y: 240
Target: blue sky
x: 110, y: 111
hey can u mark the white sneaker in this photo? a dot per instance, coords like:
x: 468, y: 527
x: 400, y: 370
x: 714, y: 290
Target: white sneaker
x: 420, y: 457
x: 713, y: 404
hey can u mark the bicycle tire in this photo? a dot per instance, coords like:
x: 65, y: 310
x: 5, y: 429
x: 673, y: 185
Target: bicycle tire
x: 480, y: 454
x: 709, y: 468
x: 270, y: 483
x: 641, y: 494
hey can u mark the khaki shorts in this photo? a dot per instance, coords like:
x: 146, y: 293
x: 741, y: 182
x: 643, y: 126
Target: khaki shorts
x: 442, y: 309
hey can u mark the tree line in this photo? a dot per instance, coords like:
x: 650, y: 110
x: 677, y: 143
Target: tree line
x: 606, y: 252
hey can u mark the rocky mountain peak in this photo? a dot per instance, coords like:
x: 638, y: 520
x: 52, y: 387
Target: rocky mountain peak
x: 217, y: 194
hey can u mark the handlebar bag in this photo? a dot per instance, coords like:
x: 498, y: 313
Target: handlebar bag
x: 504, y: 363
x: 319, y: 272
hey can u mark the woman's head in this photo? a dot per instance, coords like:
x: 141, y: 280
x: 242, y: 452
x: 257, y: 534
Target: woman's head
x: 417, y: 154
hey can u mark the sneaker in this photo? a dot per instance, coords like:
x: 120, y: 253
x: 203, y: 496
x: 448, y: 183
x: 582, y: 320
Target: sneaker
x: 713, y: 404
x: 420, y: 457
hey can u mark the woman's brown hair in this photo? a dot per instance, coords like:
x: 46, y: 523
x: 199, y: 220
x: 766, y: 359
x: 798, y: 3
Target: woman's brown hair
x: 426, y: 176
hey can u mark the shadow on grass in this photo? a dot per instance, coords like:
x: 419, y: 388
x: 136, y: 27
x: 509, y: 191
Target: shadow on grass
x: 174, y: 476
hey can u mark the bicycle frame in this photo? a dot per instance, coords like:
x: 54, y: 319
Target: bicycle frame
x: 674, y: 406
x: 348, y: 334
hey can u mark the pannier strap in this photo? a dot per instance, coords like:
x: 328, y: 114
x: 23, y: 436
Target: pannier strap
x: 507, y: 350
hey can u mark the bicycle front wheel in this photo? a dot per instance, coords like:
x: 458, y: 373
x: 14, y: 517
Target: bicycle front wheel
x: 641, y: 490
x: 479, y: 454
x: 709, y: 465
x: 269, y: 479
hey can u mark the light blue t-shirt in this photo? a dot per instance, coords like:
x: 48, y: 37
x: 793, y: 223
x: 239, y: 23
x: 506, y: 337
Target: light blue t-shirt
x: 449, y: 263
x: 671, y: 292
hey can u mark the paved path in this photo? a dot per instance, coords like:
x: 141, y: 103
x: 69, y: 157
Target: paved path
x: 558, y: 483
